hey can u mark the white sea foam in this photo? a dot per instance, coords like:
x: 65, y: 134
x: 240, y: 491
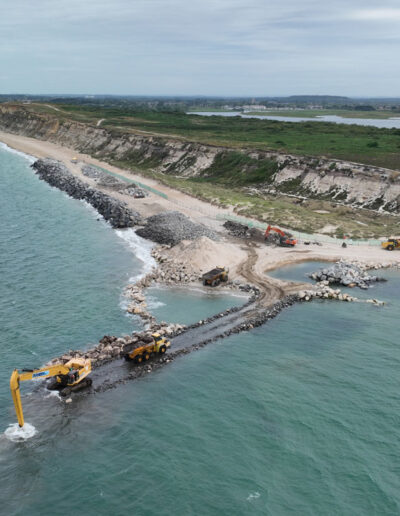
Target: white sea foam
x: 253, y: 496
x: 16, y: 434
x: 53, y: 394
x: 141, y: 249
x: 28, y: 157
x: 153, y: 302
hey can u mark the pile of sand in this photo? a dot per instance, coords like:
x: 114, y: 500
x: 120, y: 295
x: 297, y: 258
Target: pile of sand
x: 204, y: 254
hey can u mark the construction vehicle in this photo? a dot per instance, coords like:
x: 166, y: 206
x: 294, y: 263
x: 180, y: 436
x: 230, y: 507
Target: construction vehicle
x: 145, y: 350
x: 214, y: 277
x: 69, y: 377
x: 391, y: 244
x: 277, y: 236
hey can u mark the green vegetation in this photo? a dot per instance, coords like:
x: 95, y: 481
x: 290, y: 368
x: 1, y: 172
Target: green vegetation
x: 349, y: 142
x: 225, y: 182
x: 289, y: 212
x: 237, y: 169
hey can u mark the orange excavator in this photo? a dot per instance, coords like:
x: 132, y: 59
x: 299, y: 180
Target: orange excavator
x: 279, y: 237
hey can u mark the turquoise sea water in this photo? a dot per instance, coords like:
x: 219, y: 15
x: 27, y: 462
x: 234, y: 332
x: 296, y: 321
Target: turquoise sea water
x: 299, y: 416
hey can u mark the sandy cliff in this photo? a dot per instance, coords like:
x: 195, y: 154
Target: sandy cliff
x: 345, y: 182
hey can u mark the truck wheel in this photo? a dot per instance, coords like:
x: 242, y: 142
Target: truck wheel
x: 390, y: 247
x: 146, y: 356
x: 205, y: 283
x: 89, y: 382
x: 225, y: 278
x: 163, y: 349
x: 138, y: 359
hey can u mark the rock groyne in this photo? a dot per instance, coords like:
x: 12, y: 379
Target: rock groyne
x: 114, y: 211
x: 346, y: 274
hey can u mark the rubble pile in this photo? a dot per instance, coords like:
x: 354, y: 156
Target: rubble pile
x: 236, y: 229
x: 242, y: 231
x: 113, y: 182
x: 172, y: 227
x: 346, y: 274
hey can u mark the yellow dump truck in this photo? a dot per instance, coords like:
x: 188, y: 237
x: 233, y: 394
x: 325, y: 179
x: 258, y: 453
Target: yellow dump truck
x: 391, y: 244
x: 214, y: 277
x: 145, y: 350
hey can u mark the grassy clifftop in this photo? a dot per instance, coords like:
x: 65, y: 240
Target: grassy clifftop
x: 363, y: 144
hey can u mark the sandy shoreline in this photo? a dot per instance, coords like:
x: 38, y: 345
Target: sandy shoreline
x: 230, y: 252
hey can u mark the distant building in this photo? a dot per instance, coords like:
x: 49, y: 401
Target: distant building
x: 254, y: 107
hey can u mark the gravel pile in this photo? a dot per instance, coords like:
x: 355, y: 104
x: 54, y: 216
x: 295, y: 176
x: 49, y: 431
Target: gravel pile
x: 347, y: 274
x: 116, y: 212
x: 172, y: 227
x: 109, y: 181
x: 92, y: 172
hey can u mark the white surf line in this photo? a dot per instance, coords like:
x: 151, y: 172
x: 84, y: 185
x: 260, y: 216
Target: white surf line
x: 141, y: 248
x: 28, y: 157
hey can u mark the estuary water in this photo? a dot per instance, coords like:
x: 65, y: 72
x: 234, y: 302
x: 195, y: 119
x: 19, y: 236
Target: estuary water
x: 299, y: 416
x: 388, y: 123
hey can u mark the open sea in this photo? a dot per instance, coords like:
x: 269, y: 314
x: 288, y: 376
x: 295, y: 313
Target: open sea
x: 299, y: 416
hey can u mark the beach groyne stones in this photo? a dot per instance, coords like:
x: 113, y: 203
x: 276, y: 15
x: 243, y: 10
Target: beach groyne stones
x: 171, y: 227
x: 114, y: 211
x: 346, y: 274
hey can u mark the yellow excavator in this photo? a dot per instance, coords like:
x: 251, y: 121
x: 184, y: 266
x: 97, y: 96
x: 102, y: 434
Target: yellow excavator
x: 69, y: 377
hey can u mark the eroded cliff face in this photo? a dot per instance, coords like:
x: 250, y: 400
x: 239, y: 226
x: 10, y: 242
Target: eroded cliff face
x: 345, y: 182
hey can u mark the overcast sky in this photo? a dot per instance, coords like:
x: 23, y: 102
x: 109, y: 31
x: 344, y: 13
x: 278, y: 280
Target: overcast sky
x: 206, y: 47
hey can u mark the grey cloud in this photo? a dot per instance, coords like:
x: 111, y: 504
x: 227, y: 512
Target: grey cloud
x: 246, y: 47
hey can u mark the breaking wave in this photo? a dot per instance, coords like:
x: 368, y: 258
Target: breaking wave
x: 16, y: 433
x: 28, y: 157
x: 141, y: 249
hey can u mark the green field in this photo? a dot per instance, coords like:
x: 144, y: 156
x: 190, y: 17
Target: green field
x: 363, y: 144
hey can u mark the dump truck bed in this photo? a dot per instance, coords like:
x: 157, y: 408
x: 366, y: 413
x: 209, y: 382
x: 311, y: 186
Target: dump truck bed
x: 212, y: 274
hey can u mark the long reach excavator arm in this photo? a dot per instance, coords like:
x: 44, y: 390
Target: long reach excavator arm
x: 68, y: 375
